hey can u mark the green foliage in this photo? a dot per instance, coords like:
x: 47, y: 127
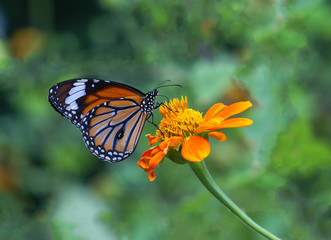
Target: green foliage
x: 274, y: 53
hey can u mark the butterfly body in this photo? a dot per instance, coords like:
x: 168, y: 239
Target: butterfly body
x: 110, y: 115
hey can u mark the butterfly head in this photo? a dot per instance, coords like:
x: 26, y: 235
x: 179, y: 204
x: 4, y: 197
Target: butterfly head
x: 148, y: 104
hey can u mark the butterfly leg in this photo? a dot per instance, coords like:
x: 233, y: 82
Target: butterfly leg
x: 153, y: 123
x: 157, y: 105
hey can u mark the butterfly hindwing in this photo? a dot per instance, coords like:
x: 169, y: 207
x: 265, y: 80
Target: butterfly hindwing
x: 111, y: 130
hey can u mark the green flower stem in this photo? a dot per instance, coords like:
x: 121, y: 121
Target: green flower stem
x: 200, y: 169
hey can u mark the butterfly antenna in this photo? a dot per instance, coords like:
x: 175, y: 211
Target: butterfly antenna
x: 157, y: 86
x: 170, y: 85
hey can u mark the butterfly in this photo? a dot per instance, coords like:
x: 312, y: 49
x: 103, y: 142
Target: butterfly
x: 110, y: 115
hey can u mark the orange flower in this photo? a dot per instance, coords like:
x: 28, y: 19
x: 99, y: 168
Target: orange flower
x: 184, y: 130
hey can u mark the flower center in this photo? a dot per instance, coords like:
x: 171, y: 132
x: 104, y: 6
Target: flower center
x: 178, y: 120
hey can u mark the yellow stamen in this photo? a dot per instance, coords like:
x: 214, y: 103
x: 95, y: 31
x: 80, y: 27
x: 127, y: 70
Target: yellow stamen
x: 178, y: 120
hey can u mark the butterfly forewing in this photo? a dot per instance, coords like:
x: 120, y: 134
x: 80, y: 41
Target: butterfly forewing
x: 74, y: 98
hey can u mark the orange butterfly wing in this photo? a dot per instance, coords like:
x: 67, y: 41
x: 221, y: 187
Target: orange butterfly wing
x: 110, y: 115
x: 111, y: 130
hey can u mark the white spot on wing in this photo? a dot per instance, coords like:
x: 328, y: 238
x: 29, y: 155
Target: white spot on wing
x: 72, y: 106
x: 74, y: 97
x: 82, y: 80
x: 96, y: 80
x: 78, y: 83
x: 76, y: 89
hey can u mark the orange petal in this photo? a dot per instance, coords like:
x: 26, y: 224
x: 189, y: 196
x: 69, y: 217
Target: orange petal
x: 155, y: 150
x: 216, y: 108
x: 149, y: 160
x: 147, y: 153
x: 170, y: 142
x: 234, y: 109
x: 236, y: 122
x: 151, y: 139
x: 218, y: 135
x: 175, y: 141
x: 156, y: 159
x: 151, y: 176
x: 144, y: 160
x: 195, y: 148
x: 143, y: 164
x: 212, y: 124
x: 153, y: 163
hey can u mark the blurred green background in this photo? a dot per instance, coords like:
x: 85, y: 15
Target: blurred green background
x: 274, y: 53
